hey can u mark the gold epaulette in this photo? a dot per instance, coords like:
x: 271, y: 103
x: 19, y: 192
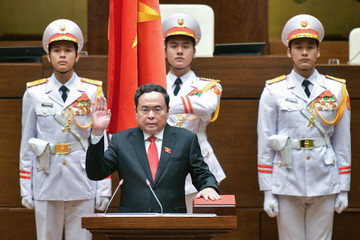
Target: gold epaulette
x: 36, y: 82
x: 277, y: 79
x: 210, y: 79
x: 93, y: 82
x: 340, y: 80
x: 97, y: 83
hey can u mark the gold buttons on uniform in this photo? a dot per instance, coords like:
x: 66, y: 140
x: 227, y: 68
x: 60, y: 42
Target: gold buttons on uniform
x: 308, y: 158
x: 64, y: 163
x: 37, y: 167
x: 63, y: 112
x: 279, y: 163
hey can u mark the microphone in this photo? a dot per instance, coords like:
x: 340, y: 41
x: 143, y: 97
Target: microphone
x: 161, y: 208
x: 112, y: 197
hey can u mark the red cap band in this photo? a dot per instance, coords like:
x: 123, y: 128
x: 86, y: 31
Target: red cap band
x: 180, y: 31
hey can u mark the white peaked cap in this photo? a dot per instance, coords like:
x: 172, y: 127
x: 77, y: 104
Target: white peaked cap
x: 62, y: 30
x: 181, y: 24
x: 302, y: 26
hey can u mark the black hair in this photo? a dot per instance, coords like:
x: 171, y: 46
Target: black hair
x: 75, y: 45
x: 192, y: 40
x: 317, y: 42
x: 151, y: 87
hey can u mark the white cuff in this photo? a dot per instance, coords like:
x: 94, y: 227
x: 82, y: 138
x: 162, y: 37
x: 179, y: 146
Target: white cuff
x: 95, y: 139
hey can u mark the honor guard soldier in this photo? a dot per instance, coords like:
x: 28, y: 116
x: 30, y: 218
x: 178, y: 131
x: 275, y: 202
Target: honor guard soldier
x: 194, y: 101
x: 56, y: 123
x: 304, y: 147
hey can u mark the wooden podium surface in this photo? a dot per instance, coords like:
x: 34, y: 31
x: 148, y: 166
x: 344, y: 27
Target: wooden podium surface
x: 158, y: 226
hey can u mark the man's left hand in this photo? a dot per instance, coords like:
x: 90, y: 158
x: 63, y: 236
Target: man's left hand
x: 208, y: 193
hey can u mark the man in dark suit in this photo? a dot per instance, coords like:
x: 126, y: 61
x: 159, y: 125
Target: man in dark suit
x: 179, y: 154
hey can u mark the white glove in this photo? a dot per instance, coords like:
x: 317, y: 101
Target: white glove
x: 271, y: 204
x: 27, y: 202
x: 341, y: 201
x: 101, y: 202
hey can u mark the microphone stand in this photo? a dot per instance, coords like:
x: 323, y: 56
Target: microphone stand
x: 112, y: 197
x: 161, y: 208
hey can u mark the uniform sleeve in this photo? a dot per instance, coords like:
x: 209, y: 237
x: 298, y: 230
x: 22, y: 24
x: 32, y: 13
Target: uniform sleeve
x: 266, y: 127
x: 200, y: 173
x: 341, y: 142
x: 103, y: 187
x: 99, y: 164
x: 202, y: 106
x: 28, y: 122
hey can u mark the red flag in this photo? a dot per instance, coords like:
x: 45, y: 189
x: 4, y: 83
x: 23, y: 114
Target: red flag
x: 136, y: 56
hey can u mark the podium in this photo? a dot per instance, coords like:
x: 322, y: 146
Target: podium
x: 157, y: 226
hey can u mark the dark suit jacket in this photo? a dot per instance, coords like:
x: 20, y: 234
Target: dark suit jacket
x: 180, y: 155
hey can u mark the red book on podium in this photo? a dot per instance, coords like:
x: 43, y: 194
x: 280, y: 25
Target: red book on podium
x: 224, y: 206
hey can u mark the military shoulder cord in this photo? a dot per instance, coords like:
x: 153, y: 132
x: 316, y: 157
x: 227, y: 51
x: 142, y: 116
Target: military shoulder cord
x: 216, y: 113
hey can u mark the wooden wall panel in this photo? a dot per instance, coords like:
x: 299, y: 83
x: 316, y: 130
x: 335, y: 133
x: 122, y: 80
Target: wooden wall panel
x: 13, y: 77
x: 98, y: 18
x: 10, y: 119
x: 233, y: 136
x: 17, y: 224
x: 346, y: 225
x: 247, y: 226
x: 268, y: 227
x: 235, y: 21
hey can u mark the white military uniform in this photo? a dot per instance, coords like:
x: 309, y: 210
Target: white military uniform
x: 304, y: 146
x: 66, y: 179
x: 311, y: 173
x: 192, y: 108
x: 193, y: 112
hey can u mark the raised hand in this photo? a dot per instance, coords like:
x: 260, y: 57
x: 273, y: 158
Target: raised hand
x: 101, y: 116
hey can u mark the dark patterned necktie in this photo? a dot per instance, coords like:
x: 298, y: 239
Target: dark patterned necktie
x: 306, y: 84
x: 64, y: 95
x: 177, y: 87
